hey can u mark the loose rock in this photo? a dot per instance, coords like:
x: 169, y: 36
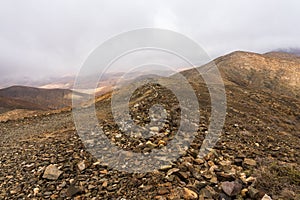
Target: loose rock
x: 72, y: 190
x: 253, y: 192
x: 249, y: 162
x: 189, y: 194
x: 231, y: 188
x: 36, y: 191
x: 81, y: 166
x: 266, y: 197
x: 52, y: 172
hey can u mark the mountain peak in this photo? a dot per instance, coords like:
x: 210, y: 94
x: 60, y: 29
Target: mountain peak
x: 277, y: 72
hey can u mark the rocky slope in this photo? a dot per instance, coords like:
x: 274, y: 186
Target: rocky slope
x: 30, y: 98
x: 43, y: 157
x: 273, y: 72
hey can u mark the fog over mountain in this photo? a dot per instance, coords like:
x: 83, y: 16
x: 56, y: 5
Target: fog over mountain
x: 42, y: 39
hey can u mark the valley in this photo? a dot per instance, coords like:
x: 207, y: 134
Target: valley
x: 256, y: 155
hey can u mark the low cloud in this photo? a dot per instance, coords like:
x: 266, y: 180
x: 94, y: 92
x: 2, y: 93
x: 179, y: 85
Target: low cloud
x: 53, y: 38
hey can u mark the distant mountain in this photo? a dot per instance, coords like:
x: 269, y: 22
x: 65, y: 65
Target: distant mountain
x: 67, y: 82
x: 257, y: 153
x: 7, y: 103
x: 295, y: 51
x: 277, y: 72
x: 274, y: 72
x: 22, y: 97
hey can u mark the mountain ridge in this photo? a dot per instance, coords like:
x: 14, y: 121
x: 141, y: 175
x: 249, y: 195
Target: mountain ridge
x: 261, y: 71
x: 37, y: 98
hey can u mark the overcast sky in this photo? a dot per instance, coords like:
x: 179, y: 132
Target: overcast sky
x: 53, y: 38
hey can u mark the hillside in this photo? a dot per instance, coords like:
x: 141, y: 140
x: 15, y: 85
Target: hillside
x: 273, y: 72
x: 256, y: 155
x: 7, y: 103
x: 22, y: 97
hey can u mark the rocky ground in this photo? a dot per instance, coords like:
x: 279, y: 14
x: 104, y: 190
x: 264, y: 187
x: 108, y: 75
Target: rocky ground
x: 257, y: 156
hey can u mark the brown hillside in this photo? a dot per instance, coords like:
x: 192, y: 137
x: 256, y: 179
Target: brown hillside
x: 36, y: 98
x: 256, y: 154
x: 269, y: 72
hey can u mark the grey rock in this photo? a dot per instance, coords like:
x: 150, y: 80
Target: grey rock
x: 223, y: 196
x: 231, y: 188
x: 52, y: 172
x: 72, y: 191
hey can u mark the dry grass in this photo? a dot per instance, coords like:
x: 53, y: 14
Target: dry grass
x: 278, y: 179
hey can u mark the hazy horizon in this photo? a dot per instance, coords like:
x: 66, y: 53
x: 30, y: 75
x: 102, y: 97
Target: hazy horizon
x: 41, y: 40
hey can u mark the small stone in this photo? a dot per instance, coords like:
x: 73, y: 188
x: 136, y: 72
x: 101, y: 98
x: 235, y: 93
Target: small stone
x: 243, y: 177
x: 96, y: 163
x: 161, y: 143
x: 244, y: 192
x: 276, y: 149
x: 225, y: 176
x: 210, y: 163
x: 183, y: 175
x: 249, y: 162
x: 81, y: 166
x: 238, y: 161
x: 160, y: 198
x: 63, y: 184
x: 253, y: 192
x: 36, y: 191
x: 112, y: 187
x: 189, y: 194
x: 162, y: 191
x: 231, y: 188
x: 47, y: 193
x: 104, y: 184
x: 200, y: 184
x: 154, y: 128
x: 150, y: 144
x: 170, y: 178
x: 29, y: 166
x: 266, y: 197
x: 199, y: 161
x: 52, y: 172
x: 104, y: 171
x: 171, y: 171
x: 223, y: 196
x: 225, y: 162
x: 90, y: 187
x: 207, y: 193
x: 250, y: 179
x: 207, y: 175
x: 214, y: 180
x: 78, y: 198
x: 146, y: 187
x: 270, y: 139
x: 72, y: 191
x: 165, y: 167
x: 53, y: 196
